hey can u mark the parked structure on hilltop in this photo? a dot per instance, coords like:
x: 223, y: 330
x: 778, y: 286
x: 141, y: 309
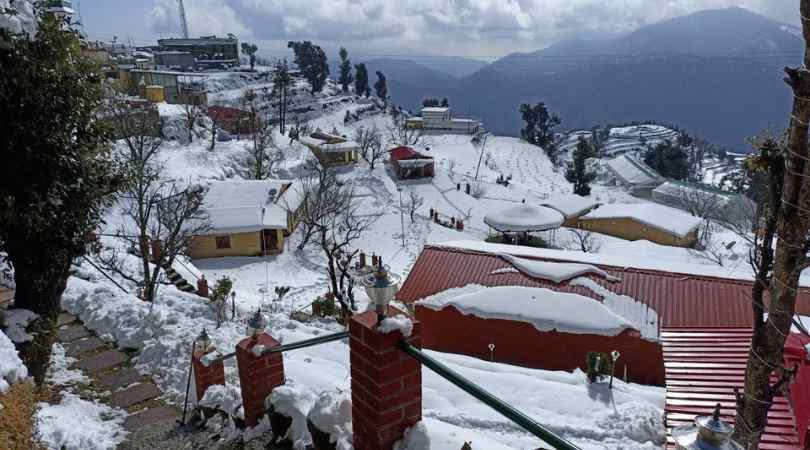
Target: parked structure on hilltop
x: 174, y: 87
x: 648, y: 221
x: 440, y: 120
x: 331, y: 149
x: 247, y: 218
x: 633, y: 174
x: 408, y: 163
x: 209, y: 52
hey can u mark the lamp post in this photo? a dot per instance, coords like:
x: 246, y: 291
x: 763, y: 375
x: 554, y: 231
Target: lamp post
x: 614, y: 356
x: 202, y: 342
x: 255, y: 324
x: 381, y: 287
x: 707, y: 433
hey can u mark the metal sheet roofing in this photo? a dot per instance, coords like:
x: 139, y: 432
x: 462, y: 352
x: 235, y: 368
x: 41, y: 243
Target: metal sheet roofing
x: 681, y: 300
x: 703, y: 366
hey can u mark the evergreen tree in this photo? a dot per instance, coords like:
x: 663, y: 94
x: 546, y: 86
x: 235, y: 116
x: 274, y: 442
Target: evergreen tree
x: 281, y: 83
x: 311, y: 60
x: 346, y: 77
x: 381, y: 88
x: 669, y: 159
x: 430, y: 102
x: 445, y: 103
x: 540, y: 124
x: 361, y: 80
x: 578, y: 174
x: 56, y: 178
x: 250, y: 50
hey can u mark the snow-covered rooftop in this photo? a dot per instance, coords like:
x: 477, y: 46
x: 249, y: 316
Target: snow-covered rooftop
x: 662, y: 217
x: 322, y: 146
x: 544, y: 309
x: 247, y: 205
x: 524, y: 218
x: 435, y: 109
x: 633, y: 171
x: 571, y: 205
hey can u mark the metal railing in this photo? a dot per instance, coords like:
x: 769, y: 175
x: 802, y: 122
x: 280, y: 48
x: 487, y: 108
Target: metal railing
x: 292, y: 346
x: 526, y: 422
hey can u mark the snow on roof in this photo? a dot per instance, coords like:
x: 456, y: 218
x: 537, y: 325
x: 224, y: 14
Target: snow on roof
x: 633, y: 171
x: 664, y: 218
x: 322, y: 146
x: 678, y: 189
x: 434, y: 109
x: 246, y: 205
x: 165, y: 109
x: 542, y: 308
x: 524, y: 217
x: 553, y: 271
x: 571, y: 205
x: 622, y: 261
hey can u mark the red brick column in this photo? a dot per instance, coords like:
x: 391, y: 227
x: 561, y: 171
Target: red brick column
x: 206, y: 376
x: 258, y: 375
x: 386, y: 383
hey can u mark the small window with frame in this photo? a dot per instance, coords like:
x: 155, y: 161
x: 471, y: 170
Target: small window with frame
x: 223, y: 242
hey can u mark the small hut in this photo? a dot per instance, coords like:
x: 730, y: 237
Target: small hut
x: 516, y: 222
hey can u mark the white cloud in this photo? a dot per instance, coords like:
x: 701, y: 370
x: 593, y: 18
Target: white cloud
x: 434, y: 26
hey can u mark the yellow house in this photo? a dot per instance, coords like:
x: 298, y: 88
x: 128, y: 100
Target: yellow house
x: 649, y: 221
x: 247, y: 218
x: 331, y: 149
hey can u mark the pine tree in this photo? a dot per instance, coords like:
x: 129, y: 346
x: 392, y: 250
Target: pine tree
x: 311, y: 60
x: 578, y: 174
x: 281, y: 83
x: 669, y: 159
x: 445, y: 103
x: 250, y: 50
x: 430, y: 102
x: 540, y: 124
x: 381, y: 88
x: 346, y: 77
x: 56, y: 178
x: 361, y: 80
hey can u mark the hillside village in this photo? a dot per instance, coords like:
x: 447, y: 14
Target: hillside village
x: 311, y: 255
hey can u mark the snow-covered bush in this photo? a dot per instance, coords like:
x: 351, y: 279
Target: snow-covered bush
x: 332, y: 414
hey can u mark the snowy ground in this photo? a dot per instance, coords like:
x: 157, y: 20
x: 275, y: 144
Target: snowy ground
x: 628, y: 417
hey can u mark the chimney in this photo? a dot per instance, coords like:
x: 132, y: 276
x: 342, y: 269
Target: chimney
x: 362, y: 259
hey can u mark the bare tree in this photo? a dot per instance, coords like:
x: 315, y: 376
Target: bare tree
x: 699, y: 203
x: 263, y: 154
x: 415, y: 201
x: 156, y: 210
x: 319, y: 188
x: 371, y: 145
x: 788, y: 218
x: 585, y: 240
x: 478, y: 189
x: 192, y: 115
x: 214, y: 126
x: 708, y: 247
x: 400, y: 135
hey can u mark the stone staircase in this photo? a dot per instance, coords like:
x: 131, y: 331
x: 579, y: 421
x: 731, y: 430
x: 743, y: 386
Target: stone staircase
x: 178, y: 280
x: 113, y: 379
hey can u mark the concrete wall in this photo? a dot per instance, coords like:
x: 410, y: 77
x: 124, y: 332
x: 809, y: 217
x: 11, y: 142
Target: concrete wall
x: 521, y: 344
x: 242, y: 244
x: 633, y: 230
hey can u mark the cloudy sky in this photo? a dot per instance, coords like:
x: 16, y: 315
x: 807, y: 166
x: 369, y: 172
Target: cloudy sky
x: 483, y: 29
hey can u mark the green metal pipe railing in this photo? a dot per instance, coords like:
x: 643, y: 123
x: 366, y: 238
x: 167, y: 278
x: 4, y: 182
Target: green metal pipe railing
x: 293, y: 346
x: 490, y: 400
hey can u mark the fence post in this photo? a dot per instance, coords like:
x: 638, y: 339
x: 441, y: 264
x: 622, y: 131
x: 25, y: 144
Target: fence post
x: 258, y: 375
x: 206, y: 374
x: 386, y: 383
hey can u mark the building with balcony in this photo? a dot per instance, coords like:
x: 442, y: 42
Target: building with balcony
x: 440, y: 120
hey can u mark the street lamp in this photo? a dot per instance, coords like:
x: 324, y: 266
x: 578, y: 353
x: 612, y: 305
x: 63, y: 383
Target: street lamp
x: 708, y: 433
x: 381, y: 287
x: 614, y: 356
x: 202, y: 342
x: 256, y: 324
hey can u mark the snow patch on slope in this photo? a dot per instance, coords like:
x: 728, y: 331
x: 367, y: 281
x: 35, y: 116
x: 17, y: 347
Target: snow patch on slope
x: 12, y: 369
x: 76, y: 424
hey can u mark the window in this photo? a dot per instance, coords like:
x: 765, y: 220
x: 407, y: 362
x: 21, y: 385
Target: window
x: 223, y: 242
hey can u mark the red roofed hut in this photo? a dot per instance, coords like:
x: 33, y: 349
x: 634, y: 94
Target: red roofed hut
x: 408, y: 163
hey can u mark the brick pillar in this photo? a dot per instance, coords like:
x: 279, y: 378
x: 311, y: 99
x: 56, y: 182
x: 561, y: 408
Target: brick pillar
x: 258, y: 375
x: 157, y: 249
x: 202, y: 287
x: 386, y: 383
x: 206, y: 375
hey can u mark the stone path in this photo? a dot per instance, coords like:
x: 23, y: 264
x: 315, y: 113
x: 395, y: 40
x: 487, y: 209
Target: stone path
x: 113, y: 380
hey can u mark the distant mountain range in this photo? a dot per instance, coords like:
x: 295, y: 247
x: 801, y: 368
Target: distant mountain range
x: 715, y: 73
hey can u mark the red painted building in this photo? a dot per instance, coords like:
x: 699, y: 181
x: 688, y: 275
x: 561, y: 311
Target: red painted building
x: 408, y: 163
x: 680, y: 299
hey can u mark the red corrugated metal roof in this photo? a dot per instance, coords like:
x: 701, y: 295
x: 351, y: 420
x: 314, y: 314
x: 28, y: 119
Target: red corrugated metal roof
x: 680, y: 300
x: 402, y: 152
x: 703, y: 366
